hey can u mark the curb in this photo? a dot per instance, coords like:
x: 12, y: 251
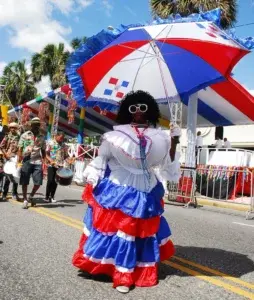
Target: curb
x: 222, y: 204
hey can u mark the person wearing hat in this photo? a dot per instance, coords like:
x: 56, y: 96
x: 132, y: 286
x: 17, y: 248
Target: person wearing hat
x: 57, y: 157
x: 31, y: 154
x: 9, y: 147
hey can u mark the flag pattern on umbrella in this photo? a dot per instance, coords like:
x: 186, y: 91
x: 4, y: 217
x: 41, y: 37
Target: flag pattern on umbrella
x: 115, y: 89
x: 170, y: 61
x: 218, y: 105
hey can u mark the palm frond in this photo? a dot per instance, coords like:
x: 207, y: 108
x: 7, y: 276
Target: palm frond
x: 165, y: 8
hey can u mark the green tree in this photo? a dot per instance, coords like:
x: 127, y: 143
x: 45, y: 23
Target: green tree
x: 18, y: 86
x: 50, y: 61
x: 77, y: 42
x: 165, y: 8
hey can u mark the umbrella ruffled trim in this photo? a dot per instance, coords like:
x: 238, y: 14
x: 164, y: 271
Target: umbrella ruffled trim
x: 98, y: 42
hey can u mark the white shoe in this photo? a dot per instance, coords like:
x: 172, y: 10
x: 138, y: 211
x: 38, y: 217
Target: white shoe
x: 25, y: 204
x: 53, y: 200
x: 123, y: 289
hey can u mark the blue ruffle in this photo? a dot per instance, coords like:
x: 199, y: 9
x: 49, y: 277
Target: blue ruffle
x: 125, y: 253
x: 129, y: 200
x: 100, y: 41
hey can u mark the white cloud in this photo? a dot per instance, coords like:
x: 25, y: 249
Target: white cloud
x: 31, y: 22
x: 108, y: 7
x: 65, y: 6
x: 43, y: 86
x: 35, y: 38
x: 3, y: 64
x: 85, y: 3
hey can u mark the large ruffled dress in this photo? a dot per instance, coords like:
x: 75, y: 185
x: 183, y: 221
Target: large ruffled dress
x: 125, y: 235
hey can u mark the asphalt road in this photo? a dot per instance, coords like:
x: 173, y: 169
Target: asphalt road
x: 214, y: 259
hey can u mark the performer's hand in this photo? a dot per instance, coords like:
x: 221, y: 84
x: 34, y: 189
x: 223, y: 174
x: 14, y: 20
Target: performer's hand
x: 175, y: 131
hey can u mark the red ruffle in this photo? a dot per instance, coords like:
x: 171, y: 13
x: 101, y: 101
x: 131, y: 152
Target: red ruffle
x: 142, y: 276
x: 109, y: 220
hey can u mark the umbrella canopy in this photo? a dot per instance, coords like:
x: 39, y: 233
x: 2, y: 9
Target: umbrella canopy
x: 171, y: 61
x: 222, y: 104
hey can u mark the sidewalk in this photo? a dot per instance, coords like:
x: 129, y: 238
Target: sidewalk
x: 224, y: 204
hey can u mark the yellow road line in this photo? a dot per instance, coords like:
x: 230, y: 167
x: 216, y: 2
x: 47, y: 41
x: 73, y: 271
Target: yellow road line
x: 209, y: 279
x: 49, y: 214
x: 61, y: 215
x: 215, y: 272
x: 75, y: 224
x: 42, y: 212
x: 47, y: 211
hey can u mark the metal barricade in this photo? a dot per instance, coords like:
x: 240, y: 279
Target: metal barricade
x: 228, y: 184
x: 183, y: 192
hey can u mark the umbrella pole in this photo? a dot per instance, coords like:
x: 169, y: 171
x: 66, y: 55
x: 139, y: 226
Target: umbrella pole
x: 81, y: 126
x: 190, y: 159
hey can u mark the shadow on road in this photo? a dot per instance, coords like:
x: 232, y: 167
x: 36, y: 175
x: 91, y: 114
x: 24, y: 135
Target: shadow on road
x: 41, y: 203
x: 1, y: 242
x: 231, y: 263
x: 72, y: 201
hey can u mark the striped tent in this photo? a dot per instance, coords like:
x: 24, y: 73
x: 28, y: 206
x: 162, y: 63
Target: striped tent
x: 222, y: 104
x: 96, y: 122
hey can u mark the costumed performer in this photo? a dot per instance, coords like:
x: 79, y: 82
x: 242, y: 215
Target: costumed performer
x: 125, y: 235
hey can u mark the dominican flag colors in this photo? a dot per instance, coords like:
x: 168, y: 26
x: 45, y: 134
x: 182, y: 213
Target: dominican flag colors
x: 171, y: 61
x: 124, y: 236
x: 222, y: 104
x: 95, y: 122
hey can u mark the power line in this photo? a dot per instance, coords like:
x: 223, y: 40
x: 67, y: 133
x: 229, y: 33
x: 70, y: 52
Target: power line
x: 242, y: 25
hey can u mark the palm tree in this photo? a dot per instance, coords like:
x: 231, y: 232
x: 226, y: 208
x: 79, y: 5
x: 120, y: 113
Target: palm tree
x: 51, y: 61
x: 77, y: 42
x: 17, y: 83
x: 164, y: 8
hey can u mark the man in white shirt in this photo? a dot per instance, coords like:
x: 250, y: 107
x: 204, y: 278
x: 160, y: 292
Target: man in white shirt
x: 227, y: 144
x: 199, y: 140
x: 218, y: 143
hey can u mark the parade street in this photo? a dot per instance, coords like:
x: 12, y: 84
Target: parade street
x: 214, y: 257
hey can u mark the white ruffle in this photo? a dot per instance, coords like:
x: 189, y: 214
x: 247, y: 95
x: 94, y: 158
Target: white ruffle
x: 95, y: 170
x: 120, y: 150
x: 127, y: 176
x: 127, y: 141
x: 168, y: 170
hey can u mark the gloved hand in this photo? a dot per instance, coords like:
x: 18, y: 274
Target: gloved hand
x: 175, y: 130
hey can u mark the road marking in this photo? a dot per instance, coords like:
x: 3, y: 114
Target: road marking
x: 209, y: 279
x: 243, y: 224
x: 47, y: 213
x: 61, y: 216
x: 215, y: 272
x: 50, y: 215
x: 77, y: 225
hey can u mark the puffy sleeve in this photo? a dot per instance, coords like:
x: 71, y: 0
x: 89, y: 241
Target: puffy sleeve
x: 169, y: 170
x: 96, y: 169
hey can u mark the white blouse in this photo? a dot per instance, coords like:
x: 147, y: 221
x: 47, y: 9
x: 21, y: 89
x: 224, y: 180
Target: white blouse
x: 121, y: 152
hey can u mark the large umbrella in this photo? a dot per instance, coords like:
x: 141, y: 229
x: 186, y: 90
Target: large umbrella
x: 171, y: 61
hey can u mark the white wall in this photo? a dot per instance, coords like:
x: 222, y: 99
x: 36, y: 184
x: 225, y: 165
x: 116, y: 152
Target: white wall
x: 239, y: 136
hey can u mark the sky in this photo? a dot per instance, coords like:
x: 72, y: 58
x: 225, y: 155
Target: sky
x: 26, y: 26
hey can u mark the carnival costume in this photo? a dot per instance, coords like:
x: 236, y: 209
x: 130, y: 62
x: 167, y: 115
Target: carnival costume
x: 125, y: 235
